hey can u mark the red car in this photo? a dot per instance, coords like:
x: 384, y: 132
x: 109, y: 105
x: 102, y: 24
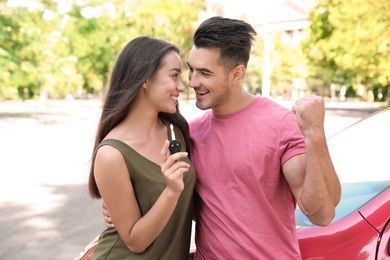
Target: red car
x: 361, y: 227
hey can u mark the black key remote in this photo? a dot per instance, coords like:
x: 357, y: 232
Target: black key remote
x: 174, y: 146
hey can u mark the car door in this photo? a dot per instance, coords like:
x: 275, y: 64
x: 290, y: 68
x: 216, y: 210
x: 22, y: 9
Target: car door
x: 383, y: 251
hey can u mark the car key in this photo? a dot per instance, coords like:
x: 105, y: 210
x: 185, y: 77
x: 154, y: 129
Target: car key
x: 174, y: 145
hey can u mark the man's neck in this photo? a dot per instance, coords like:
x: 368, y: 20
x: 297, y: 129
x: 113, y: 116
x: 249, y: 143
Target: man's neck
x: 237, y: 103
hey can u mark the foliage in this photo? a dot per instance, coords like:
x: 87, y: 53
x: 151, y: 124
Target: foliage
x: 60, y: 47
x: 253, y: 78
x: 350, y: 42
x: 288, y: 65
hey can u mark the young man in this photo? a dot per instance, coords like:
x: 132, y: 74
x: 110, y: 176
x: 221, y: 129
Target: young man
x: 254, y: 159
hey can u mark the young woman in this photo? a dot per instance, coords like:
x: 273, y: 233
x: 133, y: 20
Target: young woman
x: 147, y: 190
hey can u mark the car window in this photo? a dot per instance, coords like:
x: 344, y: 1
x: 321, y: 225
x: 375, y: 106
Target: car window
x: 354, y: 196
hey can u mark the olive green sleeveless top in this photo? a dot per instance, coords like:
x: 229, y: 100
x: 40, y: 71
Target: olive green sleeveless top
x: 148, y: 183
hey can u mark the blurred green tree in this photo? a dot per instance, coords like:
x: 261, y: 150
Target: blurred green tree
x: 349, y: 42
x: 60, y: 47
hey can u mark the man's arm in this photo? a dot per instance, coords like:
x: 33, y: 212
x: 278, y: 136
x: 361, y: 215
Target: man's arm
x: 107, y: 218
x: 312, y: 177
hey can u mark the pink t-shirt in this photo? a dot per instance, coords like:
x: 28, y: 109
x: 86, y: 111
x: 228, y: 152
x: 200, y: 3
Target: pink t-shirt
x: 245, y: 208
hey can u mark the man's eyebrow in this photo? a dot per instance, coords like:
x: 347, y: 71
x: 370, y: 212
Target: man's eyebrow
x: 201, y: 69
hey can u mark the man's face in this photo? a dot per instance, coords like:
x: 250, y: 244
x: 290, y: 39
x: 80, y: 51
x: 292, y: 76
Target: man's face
x: 207, y: 78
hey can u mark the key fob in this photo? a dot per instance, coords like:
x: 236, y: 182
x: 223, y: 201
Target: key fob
x: 174, y: 146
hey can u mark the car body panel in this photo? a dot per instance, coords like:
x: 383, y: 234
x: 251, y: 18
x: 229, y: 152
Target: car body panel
x: 384, y: 243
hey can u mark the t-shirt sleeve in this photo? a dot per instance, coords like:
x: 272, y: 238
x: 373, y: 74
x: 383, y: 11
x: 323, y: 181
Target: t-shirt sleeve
x: 291, y: 138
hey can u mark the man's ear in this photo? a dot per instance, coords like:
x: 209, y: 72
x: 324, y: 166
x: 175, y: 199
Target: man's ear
x: 238, y: 72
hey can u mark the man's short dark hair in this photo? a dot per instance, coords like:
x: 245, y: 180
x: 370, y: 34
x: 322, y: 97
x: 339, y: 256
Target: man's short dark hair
x: 233, y: 37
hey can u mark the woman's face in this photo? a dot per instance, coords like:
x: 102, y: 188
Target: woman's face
x: 164, y: 87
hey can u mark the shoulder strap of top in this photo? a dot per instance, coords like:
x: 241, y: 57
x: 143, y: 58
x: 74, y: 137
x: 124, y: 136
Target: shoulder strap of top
x: 121, y: 146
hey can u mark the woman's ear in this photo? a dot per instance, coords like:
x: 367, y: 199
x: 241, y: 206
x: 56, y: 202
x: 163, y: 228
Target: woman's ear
x: 145, y: 85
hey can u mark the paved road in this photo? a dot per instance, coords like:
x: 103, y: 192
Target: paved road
x: 45, y: 209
